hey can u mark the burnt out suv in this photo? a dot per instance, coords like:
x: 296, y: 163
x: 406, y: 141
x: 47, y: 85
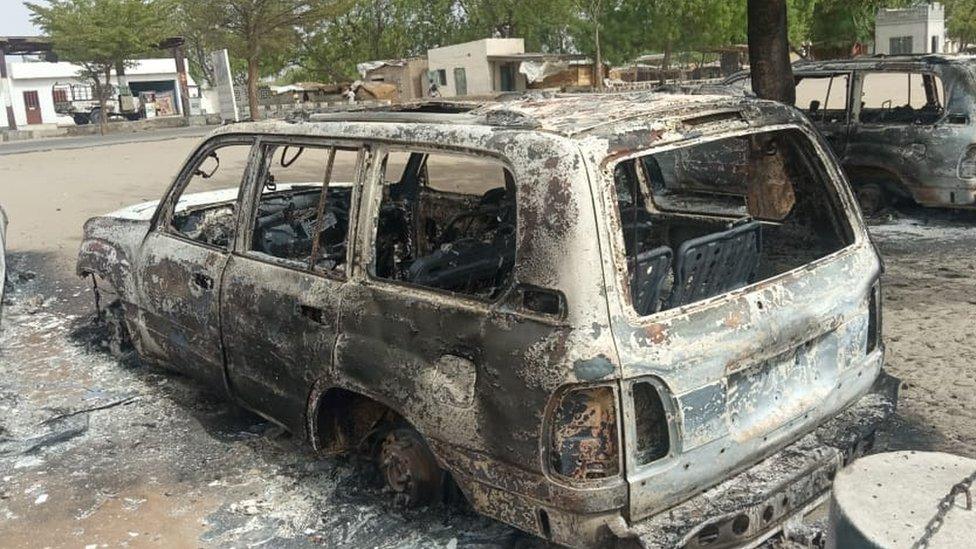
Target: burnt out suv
x: 902, y: 126
x: 636, y: 319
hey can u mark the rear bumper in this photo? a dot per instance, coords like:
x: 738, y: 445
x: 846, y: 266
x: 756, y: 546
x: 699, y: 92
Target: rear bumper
x: 755, y: 504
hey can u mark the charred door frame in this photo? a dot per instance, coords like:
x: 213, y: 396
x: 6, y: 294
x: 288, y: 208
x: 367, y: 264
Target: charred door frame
x: 295, y: 419
x: 868, y: 149
x: 161, y: 227
x: 829, y: 131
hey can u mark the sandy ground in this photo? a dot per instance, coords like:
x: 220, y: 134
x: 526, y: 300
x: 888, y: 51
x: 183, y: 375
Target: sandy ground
x: 94, y: 452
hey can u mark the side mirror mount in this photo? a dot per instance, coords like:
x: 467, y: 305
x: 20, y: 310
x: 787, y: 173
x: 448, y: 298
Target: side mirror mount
x: 200, y: 171
x: 814, y: 107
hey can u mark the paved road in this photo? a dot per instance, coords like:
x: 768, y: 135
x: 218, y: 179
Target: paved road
x: 62, y: 143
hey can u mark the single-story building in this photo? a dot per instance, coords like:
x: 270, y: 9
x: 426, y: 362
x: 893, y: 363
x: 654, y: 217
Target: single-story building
x: 912, y: 30
x: 476, y: 68
x: 34, y: 86
x: 408, y: 75
x: 498, y: 65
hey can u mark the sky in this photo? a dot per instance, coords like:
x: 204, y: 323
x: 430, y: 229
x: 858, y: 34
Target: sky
x: 15, y: 19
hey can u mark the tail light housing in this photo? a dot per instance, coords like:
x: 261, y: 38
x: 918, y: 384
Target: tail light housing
x: 653, y: 436
x: 874, y: 318
x: 584, y: 439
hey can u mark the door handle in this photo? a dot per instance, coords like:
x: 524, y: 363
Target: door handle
x: 203, y: 280
x: 312, y: 313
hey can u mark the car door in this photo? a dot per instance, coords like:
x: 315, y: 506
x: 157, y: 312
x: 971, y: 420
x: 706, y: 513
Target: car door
x: 825, y: 99
x: 428, y: 324
x: 897, y: 118
x: 279, y: 307
x: 183, y: 257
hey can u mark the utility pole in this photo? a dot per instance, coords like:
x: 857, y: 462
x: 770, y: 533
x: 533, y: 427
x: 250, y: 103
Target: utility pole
x: 6, y: 91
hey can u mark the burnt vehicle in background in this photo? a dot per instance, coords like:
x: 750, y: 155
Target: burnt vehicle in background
x: 650, y: 319
x: 904, y: 127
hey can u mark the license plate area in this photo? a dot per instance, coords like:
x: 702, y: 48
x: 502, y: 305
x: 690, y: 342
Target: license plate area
x: 772, y: 393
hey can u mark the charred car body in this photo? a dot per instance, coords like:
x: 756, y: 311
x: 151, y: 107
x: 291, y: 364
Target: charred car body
x: 902, y: 126
x: 650, y: 318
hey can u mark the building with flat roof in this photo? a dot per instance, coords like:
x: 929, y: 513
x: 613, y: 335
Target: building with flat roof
x: 913, y: 30
x: 33, y: 87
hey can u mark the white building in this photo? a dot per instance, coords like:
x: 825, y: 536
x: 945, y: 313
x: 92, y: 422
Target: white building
x: 481, y: 67
x: 915, y: 30
x: 33, y: 85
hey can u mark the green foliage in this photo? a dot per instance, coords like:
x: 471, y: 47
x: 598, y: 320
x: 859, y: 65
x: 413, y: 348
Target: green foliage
x: 633, y: 28
x: 103, y: 33
x: 839, y: 24
x: 961, y: 15
x: 326, y: 39
x: 372, y: 30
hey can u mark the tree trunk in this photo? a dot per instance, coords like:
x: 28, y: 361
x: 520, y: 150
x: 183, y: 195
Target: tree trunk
x: 665, y: 64
x: 598, y: 72
x: 769, y: 51
x: 252, y: 88
x: 103, y: 101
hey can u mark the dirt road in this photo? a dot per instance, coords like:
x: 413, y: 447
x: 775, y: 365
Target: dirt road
x: 93, y: 451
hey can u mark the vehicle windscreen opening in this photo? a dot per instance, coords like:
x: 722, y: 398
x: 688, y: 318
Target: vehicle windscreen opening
x: 707, y: 219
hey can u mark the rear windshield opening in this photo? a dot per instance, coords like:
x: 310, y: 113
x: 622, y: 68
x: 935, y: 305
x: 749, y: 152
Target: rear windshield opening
x: 708, y: 219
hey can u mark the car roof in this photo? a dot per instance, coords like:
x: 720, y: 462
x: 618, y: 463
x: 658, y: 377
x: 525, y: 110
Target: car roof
x: 881, y: 62
x: 569, y: 115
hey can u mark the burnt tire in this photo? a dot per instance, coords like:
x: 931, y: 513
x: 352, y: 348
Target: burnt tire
x: 871, y: 197
x: 409, y: 468
x: 118, y: 338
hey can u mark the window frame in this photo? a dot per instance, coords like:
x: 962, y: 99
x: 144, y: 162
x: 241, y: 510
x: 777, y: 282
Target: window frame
x: 842, y: 197
x: 374, y: 186
x: 862, y: 76
x: 244, y: 247
x: 162, y: 220
x: 848, y: 100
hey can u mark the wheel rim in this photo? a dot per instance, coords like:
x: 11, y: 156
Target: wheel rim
x: 871, y: 198
x: 408, y: 469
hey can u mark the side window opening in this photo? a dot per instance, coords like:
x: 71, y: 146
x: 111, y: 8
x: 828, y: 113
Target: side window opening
x: 824, y: 98
x: 446, y: 222
x: 206, y: 210
x: 294, y: 220
x: 725, y: 214
x: 902, y: 98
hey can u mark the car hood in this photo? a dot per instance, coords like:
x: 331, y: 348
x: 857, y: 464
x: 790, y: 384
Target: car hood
x: 145, y: 210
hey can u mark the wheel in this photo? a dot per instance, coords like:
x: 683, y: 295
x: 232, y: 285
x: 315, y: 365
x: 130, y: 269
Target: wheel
x: 81, y: 119
x: 409, y: 468
x: 871, y: 197
x: 119, y: 340
x: 95, y: 116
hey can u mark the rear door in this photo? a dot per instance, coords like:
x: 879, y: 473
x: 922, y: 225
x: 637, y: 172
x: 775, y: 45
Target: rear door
x: 183, y: 257
x: 825, y: 99
x: 279, y: 306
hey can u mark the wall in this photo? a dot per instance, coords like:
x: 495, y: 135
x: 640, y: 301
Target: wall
x: 41, y: 77
x: 922, y: 23
x: 473, y: 58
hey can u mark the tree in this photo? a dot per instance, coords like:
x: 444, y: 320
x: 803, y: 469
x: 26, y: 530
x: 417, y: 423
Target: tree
x: 256, y: 30
x: 769, y: 50
x: 961, y: 15
x: 592, y: 12
x: 544, y: 24
x: 102, y: 35
x: 373, y: 30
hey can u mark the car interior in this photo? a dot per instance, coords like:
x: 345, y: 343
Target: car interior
x: 459, y: 239
x: 708, y: 219
x: 901, y: 98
